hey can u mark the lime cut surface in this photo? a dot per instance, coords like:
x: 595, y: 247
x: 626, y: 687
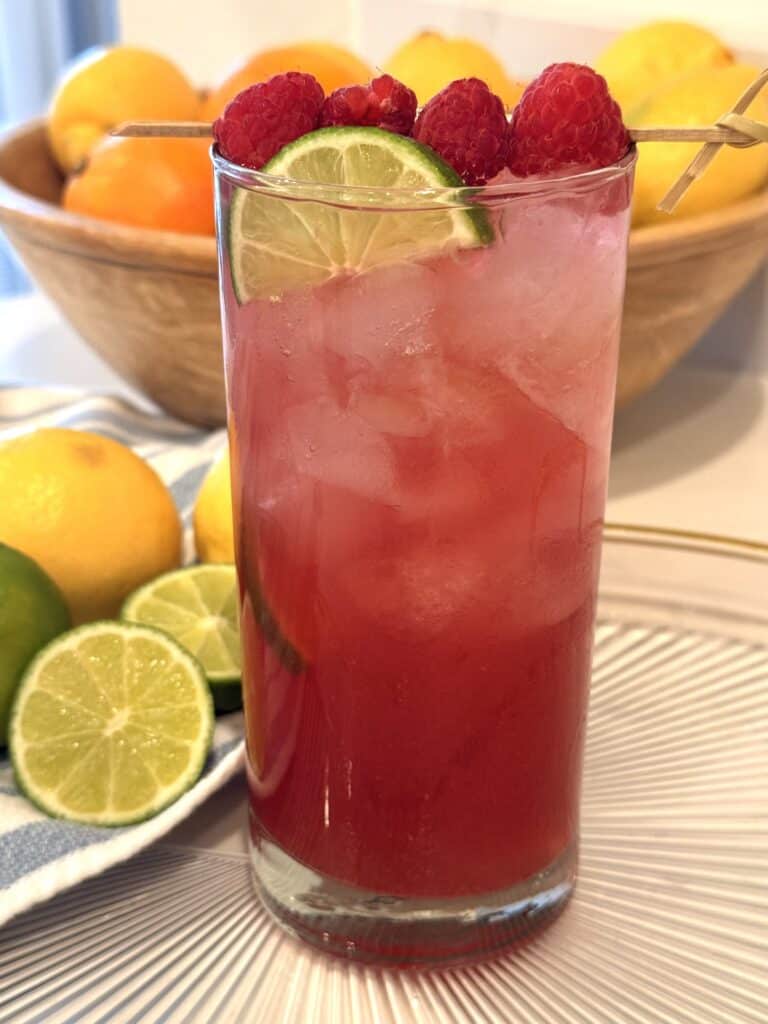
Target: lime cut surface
x: 278, y: 244
x: 112, y: 722
x: 197, y: 606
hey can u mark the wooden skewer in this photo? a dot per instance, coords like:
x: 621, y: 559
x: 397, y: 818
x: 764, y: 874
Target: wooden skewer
x: 204, y: 129
x: 733, y: 129
x: 735, y: 120
x: 163, y: 130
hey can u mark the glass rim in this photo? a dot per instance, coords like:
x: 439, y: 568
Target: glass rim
x: 402, y: 198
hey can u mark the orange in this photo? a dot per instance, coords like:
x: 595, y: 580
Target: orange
x: 107, y: 86
x: 153, y: 183
x: 332, y: 66
x: 429, y: 61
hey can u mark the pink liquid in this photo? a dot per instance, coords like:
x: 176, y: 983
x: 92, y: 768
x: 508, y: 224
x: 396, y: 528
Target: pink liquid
x: 419, y: 467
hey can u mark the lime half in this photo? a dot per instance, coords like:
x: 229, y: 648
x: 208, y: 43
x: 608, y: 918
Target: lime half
x: 277, y: 244
x: 198, y: 608
x: 111, y: 723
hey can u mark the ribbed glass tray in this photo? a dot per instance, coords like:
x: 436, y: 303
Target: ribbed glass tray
x: 669, y: 922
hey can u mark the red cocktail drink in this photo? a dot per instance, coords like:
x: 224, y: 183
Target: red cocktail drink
x: 420, y: 452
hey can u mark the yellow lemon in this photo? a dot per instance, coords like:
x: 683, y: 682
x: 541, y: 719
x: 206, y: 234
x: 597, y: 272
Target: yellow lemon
x: 91, y: 513
x: 429, y: 61
x: 699, y: 99
x: 109, y: 85
x: 214, y: 539
x: 648, y: 58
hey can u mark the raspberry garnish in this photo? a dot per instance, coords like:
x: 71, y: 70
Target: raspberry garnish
x: 465, y: 123
x: 384, y: 103
x: 566, y: 117
x: 263, y: 118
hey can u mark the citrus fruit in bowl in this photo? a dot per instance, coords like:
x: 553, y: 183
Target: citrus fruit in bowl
x: 107, y: 85
x: 648, y: 58
x: 429, y: 60
x: 333, y: 66
x: 164, y: 184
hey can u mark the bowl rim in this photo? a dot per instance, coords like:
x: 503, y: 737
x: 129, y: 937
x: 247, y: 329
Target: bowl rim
x: 125, y: 244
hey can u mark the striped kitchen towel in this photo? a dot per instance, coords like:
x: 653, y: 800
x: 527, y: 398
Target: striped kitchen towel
x: 40, y: 856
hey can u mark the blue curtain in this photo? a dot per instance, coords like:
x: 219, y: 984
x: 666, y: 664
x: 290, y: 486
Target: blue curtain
x: 37, y: 39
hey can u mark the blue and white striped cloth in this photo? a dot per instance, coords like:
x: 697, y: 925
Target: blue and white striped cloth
x: 39, y: 856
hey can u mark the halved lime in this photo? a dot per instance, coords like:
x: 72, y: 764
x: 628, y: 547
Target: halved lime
x: 197, y: 606
x: 276, y: 244
x: 111, y: 723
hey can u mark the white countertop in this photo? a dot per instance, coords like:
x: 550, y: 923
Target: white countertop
x: 689, y: 455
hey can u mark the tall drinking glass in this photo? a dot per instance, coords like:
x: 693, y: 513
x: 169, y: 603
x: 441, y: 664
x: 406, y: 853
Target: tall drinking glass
x: 419, y: 454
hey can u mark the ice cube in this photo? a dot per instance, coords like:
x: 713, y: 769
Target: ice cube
x: 393, y: 413
x: 421, y: 589
x: 543, y: 304
x: 460, y: 404
x: 384, y: 313
x: 275, y: 360
x: 336, y: 446
x: 446, y: 498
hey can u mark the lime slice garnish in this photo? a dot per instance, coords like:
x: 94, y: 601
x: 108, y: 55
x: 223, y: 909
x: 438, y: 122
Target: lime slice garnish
x: 198, y: 608
x: 111, y: 723
x: 277, y: 244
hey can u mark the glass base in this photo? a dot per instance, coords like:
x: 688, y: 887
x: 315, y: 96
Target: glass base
x: 363, y: 925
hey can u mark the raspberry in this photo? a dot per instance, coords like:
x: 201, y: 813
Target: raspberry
x: 263, y: 118
x: 566, y: 117
x: 384, y: 102
x: 465, y: 123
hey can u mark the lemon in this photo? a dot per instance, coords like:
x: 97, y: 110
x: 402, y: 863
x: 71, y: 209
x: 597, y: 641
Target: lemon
x: 91, y: 513
x: 112, y: 722
x: 429, y: 61
x: 108, y: 85
x: 699, y: 99
x: 32, y: 612
x: 197, y: 606
x: 212, y: 517
x: 650, y: 57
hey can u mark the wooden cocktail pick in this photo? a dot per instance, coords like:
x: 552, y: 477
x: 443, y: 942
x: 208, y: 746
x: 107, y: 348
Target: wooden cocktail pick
x: 742, y: 132
x: 164, y: 129
x: 732, y: 129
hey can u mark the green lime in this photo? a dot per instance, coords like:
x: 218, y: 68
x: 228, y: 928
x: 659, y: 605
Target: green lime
x: 198, y: 608
x: 111, y: 723
x: 32, y: 612
x: 277, y: 244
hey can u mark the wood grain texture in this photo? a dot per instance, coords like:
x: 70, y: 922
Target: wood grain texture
x: 147, y: 301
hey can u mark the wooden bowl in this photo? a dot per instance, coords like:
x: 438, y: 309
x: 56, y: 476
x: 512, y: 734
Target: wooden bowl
x: 147, y: 301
